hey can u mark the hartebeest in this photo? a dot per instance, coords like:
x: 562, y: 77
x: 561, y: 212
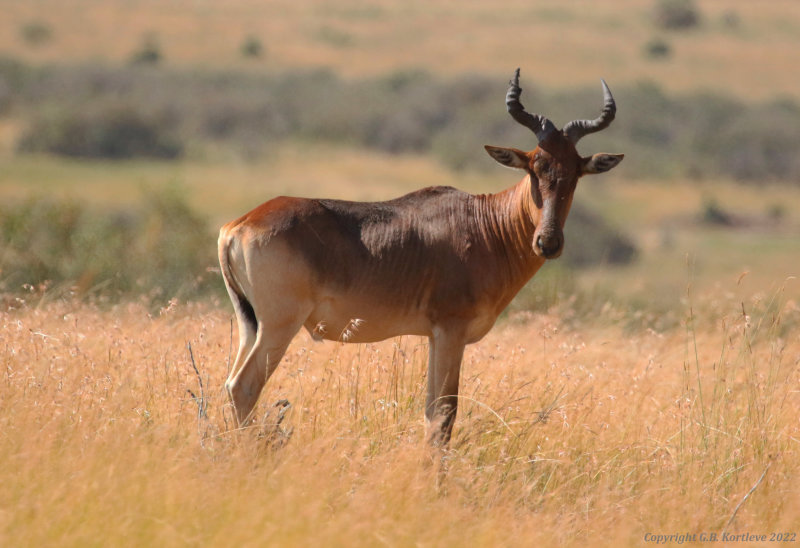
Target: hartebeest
x: 438, y: 262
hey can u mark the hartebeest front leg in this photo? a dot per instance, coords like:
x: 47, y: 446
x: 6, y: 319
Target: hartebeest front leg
x: 445, y: 351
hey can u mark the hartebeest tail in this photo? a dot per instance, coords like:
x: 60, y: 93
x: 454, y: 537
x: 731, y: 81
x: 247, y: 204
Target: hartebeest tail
x: 241, y: 305
x: 438, y: 262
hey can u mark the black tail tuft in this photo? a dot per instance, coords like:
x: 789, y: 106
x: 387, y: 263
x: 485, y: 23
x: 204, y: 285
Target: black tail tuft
x: 243, y: 307
x: 247, y: 311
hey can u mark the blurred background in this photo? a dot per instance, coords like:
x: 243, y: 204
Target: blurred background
x: 130, y: 130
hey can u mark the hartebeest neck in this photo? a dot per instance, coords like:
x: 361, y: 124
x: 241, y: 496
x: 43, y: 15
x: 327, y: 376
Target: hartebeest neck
x: 508, y: 222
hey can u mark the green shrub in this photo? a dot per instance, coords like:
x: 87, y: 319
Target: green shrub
x: 6, y: 96
x: 590, y: 240
x: 14, y: 77
x: 676, y: 14
x: 756, y: 144
x: 657, y: 48
x: 113, y: 131
x: 162, y: 249
x: 252, y: 47
x: 713, y: 214
x: 36, y: 33
x: 148, y: 53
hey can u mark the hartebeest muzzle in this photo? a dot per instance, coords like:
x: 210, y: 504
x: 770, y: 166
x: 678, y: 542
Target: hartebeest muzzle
x: 549, y: 243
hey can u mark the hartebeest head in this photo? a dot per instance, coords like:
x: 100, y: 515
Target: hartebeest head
x: 554, y: 166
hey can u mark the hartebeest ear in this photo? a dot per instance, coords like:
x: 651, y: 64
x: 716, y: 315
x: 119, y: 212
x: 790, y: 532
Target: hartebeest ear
x: 600, y: 163
x: 509, y: 157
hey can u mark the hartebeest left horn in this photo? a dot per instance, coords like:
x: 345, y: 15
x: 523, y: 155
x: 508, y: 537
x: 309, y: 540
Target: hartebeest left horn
x: 540, y: 125
x: 577, y: 129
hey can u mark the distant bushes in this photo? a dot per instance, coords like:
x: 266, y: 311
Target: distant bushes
x: 657, y: 48
x: 13, y: 78
x: 113, y: 131
x: 252, y: 47
x: 148, y: 52
x: 161, y: 249
x: 36, y: 33
x: 150, y: 111
x: 676, y: 14
x: 589, y: 240
x: 756, y: 144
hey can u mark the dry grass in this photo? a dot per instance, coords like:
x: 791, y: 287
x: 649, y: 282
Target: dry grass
x: 566, y: 435
x: 572, y: 43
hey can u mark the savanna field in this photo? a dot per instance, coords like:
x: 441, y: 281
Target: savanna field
x: 567, y: 434
x: 644, y: 389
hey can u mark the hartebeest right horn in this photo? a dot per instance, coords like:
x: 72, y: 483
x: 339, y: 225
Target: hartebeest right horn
x: 577, y: 129
x: 540, y: 125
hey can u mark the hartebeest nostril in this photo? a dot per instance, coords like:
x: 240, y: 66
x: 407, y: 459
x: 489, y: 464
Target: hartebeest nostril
x: 549, y: 248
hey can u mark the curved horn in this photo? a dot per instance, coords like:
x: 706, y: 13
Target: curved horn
x: 540, y: 125
x: 577, y: 129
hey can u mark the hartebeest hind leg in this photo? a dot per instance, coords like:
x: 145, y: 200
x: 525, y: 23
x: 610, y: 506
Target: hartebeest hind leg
x: 255, y: 365
x: 445, y: 352
x: 248, y: 327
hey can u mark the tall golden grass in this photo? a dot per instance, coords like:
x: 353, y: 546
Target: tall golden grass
x: 578, y: 432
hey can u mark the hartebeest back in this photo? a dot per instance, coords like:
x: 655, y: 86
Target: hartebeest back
x: 438, y: 262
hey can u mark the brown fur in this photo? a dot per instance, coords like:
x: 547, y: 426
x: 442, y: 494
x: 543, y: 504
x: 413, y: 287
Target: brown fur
x: 437, y: 262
